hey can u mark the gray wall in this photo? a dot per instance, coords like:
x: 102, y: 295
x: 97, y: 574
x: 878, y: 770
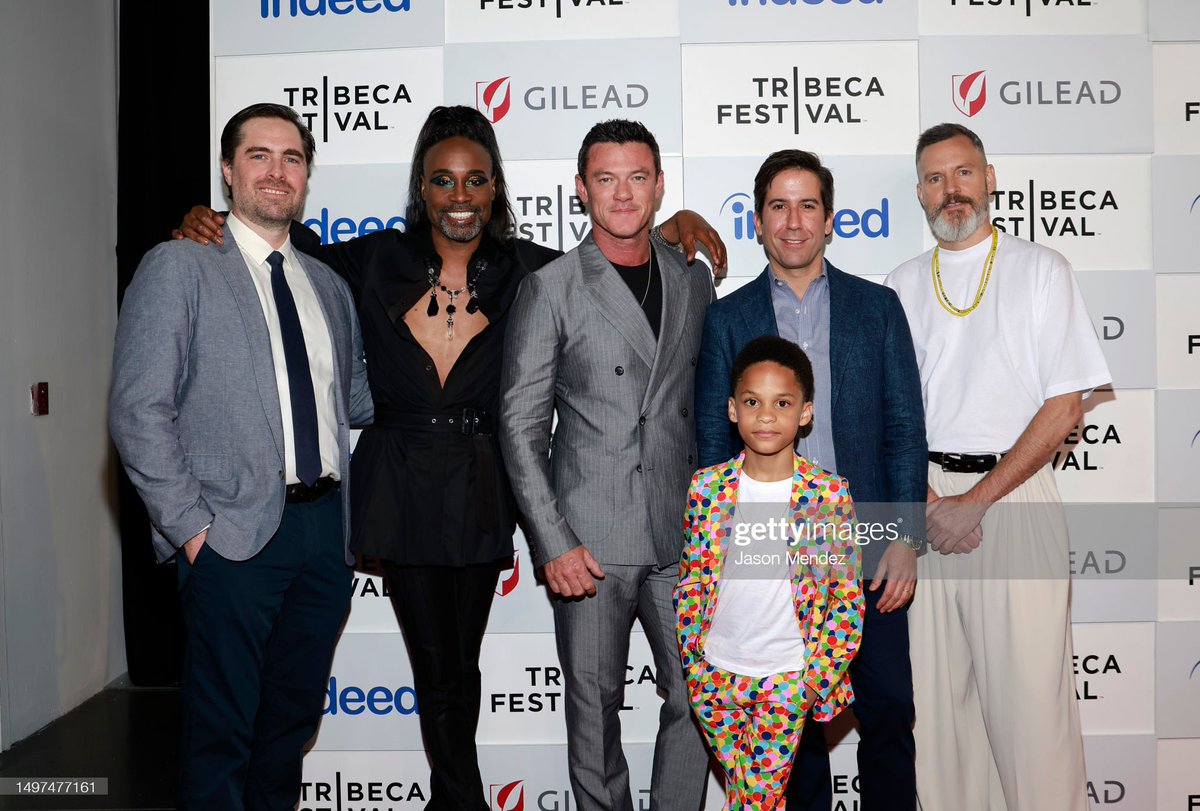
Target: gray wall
x: 60, y: 579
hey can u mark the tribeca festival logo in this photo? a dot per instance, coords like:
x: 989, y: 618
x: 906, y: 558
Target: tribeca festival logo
x: 553, y: 217
x: 319, y: 8
x: 1037, y: 211
x: 797, y: 100
x: 1029, y: 5
x: 347, y: 108
x: 507, y: 796
x: 505, y: 587
x: 344, y: 794
x: 1093, y: 667
x: 517, y: 5
x: 969, y: 92
x: 872, y: 223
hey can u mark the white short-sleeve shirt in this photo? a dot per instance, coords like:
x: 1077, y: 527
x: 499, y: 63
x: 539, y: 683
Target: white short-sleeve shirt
x: 985, y: 375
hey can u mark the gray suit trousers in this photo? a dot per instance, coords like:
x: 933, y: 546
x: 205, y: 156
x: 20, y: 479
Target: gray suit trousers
x: 593, y: 649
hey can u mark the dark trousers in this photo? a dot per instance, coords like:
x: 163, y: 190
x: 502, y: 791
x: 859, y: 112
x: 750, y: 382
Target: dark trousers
x: 261, y: 634
x: 443, y: 612
x: 883, y: 704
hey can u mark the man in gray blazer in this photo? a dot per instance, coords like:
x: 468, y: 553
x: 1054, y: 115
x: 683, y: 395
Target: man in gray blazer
x: 607, y: 336
x: 237, y: 373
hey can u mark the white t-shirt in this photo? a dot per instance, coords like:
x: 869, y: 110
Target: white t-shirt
x: 754, y: 630
x: 984, y: 376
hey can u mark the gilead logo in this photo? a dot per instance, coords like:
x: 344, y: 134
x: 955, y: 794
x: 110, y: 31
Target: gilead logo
x: 505, y: 586
x: 494, y: 98
x: 507, y: 796
x: 970, y: 92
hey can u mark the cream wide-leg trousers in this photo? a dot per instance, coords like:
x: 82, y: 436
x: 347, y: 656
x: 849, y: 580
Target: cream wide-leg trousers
x: 997, y: 723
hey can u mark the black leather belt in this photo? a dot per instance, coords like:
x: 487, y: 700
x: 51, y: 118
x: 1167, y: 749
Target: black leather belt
x: 468, y: 421
x: 302, y: 493
x: 965, y: 462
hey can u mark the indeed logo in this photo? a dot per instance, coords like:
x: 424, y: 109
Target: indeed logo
x: 871, y: 223
x: 375, y: 700
x: 319, y: 8
x: 340, y: 229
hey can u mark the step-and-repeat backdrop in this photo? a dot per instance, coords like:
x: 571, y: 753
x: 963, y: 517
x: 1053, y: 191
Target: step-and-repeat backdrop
x: 1090, y: 110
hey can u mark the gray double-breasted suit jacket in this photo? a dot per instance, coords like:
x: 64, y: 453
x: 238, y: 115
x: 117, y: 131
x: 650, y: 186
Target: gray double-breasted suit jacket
x: 195, y: 411
x: 624, y: 448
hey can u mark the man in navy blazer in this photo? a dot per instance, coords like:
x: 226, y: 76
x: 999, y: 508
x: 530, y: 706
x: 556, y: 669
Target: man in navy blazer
x: 868, y: 426
x: 236, y: 376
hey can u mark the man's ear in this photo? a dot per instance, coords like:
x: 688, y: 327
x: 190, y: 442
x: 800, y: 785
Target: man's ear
x: 732, y: 411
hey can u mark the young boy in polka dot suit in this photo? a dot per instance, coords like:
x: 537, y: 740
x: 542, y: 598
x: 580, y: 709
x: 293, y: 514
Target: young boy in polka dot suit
x: 769, y: 599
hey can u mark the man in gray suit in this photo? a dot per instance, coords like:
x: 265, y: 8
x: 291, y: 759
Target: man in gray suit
x: 237, y: 373
x: 607, y: 335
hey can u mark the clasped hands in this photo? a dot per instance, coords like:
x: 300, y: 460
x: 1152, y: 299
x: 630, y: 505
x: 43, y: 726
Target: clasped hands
x: 953, y: 523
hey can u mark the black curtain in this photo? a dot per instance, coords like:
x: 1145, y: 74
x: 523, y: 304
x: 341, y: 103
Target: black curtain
x: 164, y: 167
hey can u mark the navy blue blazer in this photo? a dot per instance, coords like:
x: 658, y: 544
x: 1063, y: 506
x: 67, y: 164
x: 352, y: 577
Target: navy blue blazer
x: 878, y: 419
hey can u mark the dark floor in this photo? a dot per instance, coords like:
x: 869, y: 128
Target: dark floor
x: 126, y: 734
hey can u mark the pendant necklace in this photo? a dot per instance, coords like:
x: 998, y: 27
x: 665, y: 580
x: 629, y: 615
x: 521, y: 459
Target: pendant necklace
x: 434, y: 275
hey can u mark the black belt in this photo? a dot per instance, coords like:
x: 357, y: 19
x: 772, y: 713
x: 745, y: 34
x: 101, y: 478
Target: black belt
x: 302, y: 493
x: 965, y: 462
x: 468, y: 421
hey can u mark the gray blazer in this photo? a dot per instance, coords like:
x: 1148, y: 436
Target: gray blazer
x: 624, y: 448
x: 195, y: 410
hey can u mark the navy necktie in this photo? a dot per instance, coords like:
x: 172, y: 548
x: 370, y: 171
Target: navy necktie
x: 300, y: 385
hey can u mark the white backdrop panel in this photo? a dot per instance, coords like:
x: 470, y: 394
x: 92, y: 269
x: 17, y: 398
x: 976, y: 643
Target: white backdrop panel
x: 1176, y: 99
x: 362, y: 106
x: 1177, y: 420
x: 1176, y: 213
x: 1032, y: 17
x: 538, y: 20
x: 255, y: 26
x: 836, y: 99
x: 1114, y: 677
x: 1093, y: 210
x: 543, y: 97
x: 770, y: 20
x: 1121, y: 305
x: 1041, y: 94
x: 876, y: 225
x: 1109, y: 456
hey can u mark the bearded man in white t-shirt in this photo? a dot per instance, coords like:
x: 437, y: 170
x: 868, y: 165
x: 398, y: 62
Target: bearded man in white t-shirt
x: 1006, y: 354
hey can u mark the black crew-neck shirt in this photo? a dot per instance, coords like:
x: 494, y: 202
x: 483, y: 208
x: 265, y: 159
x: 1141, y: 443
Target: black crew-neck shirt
x: 645, y: 283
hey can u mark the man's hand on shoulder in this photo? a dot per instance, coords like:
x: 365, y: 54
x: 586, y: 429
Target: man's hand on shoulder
x: 898, y: 568
x: 686, y: 229
x: 202, y: 225
x: 573, y: 574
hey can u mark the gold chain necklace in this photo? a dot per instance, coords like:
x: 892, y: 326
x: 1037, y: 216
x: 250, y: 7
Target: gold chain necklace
x: 944, y: 299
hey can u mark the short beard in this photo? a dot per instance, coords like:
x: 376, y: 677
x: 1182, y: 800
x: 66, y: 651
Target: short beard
x: 460, y: 232
x: 949, y: 231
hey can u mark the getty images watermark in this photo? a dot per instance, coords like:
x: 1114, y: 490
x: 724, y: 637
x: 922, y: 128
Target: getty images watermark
x: 1078, y: 541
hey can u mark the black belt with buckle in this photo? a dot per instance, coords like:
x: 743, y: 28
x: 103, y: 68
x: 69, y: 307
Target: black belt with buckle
x: 965, y: 462
x: 467, y: 421
x: 302, y: 493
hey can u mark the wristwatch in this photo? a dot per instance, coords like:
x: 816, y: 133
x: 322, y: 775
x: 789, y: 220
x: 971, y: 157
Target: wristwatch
x: 657, y: 235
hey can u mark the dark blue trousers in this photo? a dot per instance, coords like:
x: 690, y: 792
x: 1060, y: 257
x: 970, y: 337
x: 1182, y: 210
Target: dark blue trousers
x: 261, y: 634
x: 883, y: 704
